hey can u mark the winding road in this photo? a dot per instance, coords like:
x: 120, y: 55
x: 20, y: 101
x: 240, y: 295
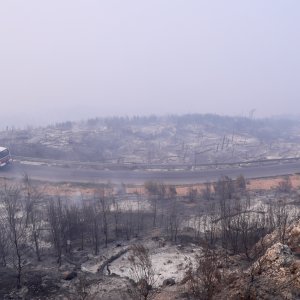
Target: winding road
x: 52, y: 173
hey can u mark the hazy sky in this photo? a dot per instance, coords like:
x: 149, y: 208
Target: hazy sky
x: 71, y: 59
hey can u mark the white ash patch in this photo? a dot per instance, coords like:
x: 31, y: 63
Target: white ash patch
x: 32, y: 163
x: 167, y: 262
x: 132, y: 203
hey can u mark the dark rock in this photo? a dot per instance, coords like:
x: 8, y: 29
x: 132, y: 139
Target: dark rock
x: 70, y: 275
x: 168, y: 282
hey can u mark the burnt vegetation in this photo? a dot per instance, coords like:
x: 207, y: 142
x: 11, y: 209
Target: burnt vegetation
x: 52, y: 245
x: 186, y: 140
x: 39, y: 231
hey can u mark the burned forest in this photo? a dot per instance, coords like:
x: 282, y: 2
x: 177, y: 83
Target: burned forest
x: 154, y: 241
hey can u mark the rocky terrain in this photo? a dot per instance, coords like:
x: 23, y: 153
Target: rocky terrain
x: 274, y: 275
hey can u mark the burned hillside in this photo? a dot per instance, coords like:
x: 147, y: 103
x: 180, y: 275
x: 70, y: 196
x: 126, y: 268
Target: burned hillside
x: 179, y: 140
x: 150, y: 242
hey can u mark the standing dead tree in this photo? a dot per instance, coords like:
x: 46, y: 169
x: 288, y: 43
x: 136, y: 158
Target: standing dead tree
x: 205, y: 278
x: 156, y: 191
x: 55, y: 222
x: 142, y: 272
x: 173, y: 222
x: 4, y: 245
x: 34, y: 214
x: 91, y: 215
x: 209, y: 225
x: 116, y: 211
x: 207, y: 192
x: 104, y: 206
x: 16, y: 225
x: 282, y: 218
x: 285, y: 186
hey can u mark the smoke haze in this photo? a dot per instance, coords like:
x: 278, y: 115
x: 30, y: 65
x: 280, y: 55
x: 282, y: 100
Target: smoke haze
x: 66, y: 60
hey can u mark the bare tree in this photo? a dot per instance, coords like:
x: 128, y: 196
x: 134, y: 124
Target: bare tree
x: 93, y: 220
x: 171, y: 192
x: 285, y: 185
x: 4, y: 243
x: 33, y: 213
x: 282, y: 217
x: 174, y: 222
x: 140, y: 217
x: 16, y: 224
x: 74, y: 226
x: 116, y: 211
x: 203, y: 281
x: 105, y: 210
x: 55, y: 222
x: 128, y: 222
x: 142, y: 272
x: 210, y: 225
x: 240, y: 182
x: 192, y: 194
x: 157, y: 192
x: 224, y: 188
x: 207, y: 192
